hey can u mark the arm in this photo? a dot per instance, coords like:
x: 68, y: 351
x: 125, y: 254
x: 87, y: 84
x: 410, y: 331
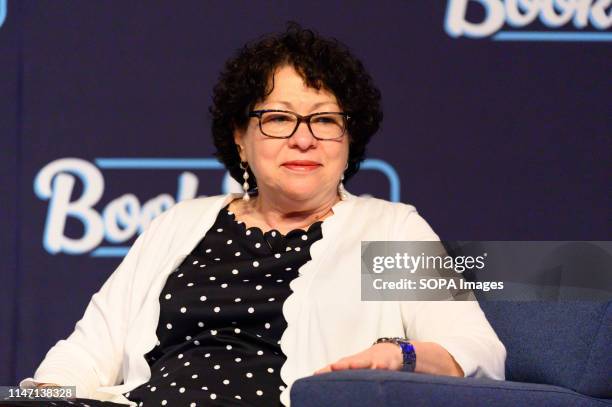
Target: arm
x: 431, y: 358
x: 449, y: 334
x: 92, y: 355
x: 434, y: 359
x: 450, y: 338
x: 460, y: 329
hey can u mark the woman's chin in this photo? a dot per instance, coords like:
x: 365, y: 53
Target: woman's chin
x: 302, y: 191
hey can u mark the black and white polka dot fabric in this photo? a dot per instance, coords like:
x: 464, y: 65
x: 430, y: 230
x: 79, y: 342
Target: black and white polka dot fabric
x: 75, y: 402
x: 221, y: 319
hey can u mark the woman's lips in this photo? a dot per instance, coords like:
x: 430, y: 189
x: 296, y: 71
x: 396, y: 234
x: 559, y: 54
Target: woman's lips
x: 302, y: 166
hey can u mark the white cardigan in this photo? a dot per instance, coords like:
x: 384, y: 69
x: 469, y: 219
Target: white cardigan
x: 326, y: 319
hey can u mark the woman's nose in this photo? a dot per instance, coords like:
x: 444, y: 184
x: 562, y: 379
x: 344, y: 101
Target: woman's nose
x: 303, y: 138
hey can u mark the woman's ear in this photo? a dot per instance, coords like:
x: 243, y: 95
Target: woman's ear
x: 238, y: 137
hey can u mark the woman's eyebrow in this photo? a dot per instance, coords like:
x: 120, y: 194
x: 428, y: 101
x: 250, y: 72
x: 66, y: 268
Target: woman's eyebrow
x: 290, y: 105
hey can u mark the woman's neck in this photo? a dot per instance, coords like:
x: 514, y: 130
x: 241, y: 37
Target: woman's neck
x: 267, y: 214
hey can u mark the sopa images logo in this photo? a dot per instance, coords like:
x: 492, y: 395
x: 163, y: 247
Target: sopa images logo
x: 510, y: 20
x: 2, y: 12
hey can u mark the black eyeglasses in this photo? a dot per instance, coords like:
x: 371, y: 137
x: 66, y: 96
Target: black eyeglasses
x: 283, y: 123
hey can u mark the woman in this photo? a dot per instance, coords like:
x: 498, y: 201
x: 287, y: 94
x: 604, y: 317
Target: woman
x: 227, y: 300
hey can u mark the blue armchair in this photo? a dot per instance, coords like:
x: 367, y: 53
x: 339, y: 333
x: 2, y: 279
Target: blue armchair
x: 559, y: 354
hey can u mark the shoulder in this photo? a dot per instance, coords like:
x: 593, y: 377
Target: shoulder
x: 382, y: 207
x: 401, y: 220
x: 197, y: 205
x: 179, y: 228
x: 189, y: 211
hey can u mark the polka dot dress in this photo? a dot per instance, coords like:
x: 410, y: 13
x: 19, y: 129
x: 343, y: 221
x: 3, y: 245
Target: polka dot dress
x: 73, y: 402
x: 221, y: 318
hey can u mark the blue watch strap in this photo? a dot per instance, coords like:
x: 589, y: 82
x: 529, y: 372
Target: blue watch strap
x: 409, y: 356
x: 408, y: 352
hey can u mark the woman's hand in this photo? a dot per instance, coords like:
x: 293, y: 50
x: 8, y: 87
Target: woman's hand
x: 379, y: 356
x: 431, y: 358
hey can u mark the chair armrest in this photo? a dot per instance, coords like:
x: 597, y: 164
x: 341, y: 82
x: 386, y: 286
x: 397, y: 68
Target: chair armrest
x: 389, y: 388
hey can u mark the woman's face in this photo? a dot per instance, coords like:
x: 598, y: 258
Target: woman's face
x: 300, y: 168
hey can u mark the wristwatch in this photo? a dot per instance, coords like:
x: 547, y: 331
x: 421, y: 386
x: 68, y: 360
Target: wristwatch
x: 408, y: 352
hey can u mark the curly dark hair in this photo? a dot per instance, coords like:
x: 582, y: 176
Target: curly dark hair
x: 321, y: 62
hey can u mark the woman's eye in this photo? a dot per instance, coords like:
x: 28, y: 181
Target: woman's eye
x: 277, y: 118
x: 325, y: 120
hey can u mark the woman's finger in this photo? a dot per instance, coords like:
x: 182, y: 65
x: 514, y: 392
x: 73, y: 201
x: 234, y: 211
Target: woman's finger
x: 360, y: 364
x: 380, y: 365
x: 342, y: 364
x: 325, y: 369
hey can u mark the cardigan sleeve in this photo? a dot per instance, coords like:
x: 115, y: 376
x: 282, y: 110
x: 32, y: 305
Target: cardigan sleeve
x: 92, y: 355
x: 460, y: 327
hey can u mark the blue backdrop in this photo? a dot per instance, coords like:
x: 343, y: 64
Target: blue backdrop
x: 497, y: 127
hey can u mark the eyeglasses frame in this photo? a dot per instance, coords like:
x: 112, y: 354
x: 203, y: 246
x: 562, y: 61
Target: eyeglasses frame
x: 300, y: 119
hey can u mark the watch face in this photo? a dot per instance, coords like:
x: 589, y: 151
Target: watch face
x: 396, y: 340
